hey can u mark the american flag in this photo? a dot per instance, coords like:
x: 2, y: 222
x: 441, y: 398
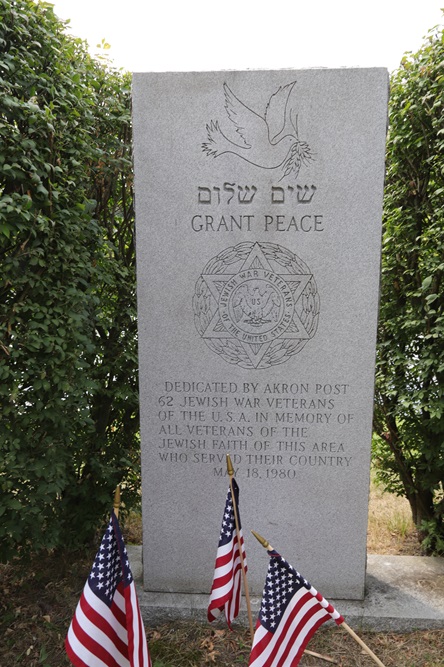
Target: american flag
x: 226, y: 589
x: 107, y: 628
x: 291, y: 612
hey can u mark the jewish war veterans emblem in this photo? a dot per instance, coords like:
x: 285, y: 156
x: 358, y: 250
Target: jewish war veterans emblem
x: 256, y: 305
x: 268, y: 139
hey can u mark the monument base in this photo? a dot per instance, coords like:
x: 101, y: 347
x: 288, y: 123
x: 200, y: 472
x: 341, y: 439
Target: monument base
x: 403, y: 593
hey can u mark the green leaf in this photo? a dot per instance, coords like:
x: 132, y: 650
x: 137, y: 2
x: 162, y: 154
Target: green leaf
x: 409, y: 404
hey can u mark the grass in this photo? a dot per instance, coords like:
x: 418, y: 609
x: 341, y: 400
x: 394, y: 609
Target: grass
x: 222, y: 648
x: 390, y: 526
x: 37, y: 601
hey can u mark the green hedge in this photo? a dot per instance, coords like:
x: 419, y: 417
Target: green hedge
x: 409, y: 415
x: 68, y: 358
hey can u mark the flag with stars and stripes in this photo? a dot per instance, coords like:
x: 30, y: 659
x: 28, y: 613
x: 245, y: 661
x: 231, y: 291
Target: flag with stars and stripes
x: 107, y: 628
x: 291, y: 612
x: 226, y: 589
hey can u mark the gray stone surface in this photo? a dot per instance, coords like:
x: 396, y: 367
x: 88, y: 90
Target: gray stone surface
x: 258, y: 204
x: 403, y: 593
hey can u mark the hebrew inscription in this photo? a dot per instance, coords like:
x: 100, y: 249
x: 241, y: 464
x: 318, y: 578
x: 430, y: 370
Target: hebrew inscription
x: 256, y: 305
x: 304, y: 195
x: 245, y: 194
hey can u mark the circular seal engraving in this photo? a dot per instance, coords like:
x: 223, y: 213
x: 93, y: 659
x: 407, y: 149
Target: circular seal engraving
x: 256, y: 305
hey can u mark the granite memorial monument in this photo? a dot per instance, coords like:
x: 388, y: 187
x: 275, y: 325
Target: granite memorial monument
x: 258, y: 217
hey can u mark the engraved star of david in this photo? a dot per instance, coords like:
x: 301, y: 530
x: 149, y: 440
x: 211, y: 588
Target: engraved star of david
x: 256, y: 281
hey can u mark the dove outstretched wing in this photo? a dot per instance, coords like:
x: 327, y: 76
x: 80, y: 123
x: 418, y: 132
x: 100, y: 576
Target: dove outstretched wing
x: 249, y: 125
x: 278, y: 114
x: 268, y: 141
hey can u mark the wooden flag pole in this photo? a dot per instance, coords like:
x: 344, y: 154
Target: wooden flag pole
x: 230, y: 471
x: 362, y: 644
x: 266, y: 544
x: 116, y: 503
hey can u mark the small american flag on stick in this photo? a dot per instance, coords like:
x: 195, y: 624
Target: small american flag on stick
x: 226, y: 589
x: 291, y: 612
x: 107, y: 628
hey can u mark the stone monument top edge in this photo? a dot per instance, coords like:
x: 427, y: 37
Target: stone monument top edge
x: 259, y: 70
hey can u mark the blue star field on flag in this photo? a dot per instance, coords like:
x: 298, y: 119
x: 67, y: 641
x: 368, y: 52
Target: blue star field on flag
x: 228, y: 526
x: 282, y: 582
x: 110, y: 567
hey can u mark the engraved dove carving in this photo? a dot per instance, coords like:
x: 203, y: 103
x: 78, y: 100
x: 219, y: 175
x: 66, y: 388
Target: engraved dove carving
x: 270, y: 141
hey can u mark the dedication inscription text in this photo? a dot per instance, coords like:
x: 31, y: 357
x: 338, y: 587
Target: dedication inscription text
x: 266, y: 427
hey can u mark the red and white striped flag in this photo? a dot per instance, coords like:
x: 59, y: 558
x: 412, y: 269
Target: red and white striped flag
x: 107, y: 628
x: 226, y: 589
x: 291, y: 612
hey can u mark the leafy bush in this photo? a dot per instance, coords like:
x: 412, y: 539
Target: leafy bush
x: 68, y: 358
x: 409, y: 412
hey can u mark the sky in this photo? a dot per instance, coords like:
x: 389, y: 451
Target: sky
x: 199, y: 35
